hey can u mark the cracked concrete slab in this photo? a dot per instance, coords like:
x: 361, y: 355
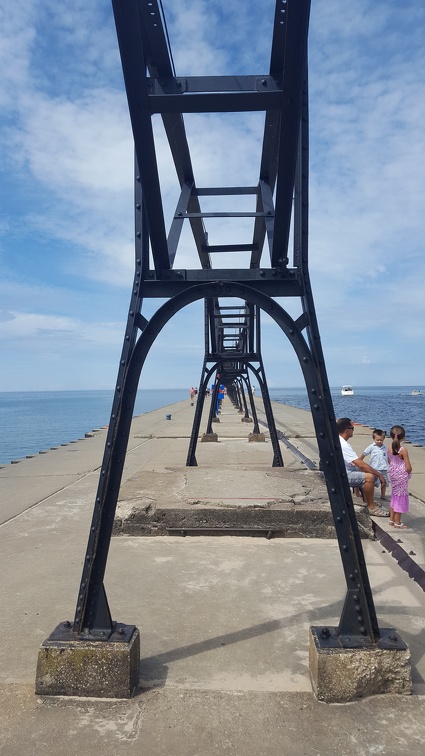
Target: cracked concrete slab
x: 234, y: 486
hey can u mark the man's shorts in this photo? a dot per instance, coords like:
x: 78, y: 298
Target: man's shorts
x: 355, y: 479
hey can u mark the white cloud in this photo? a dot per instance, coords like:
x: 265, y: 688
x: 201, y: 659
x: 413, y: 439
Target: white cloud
x: 79, y: 146
x: 39, y: 331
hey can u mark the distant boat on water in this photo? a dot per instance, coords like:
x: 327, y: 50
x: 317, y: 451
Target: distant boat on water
x: 347, y: 391
x: 416, y: 392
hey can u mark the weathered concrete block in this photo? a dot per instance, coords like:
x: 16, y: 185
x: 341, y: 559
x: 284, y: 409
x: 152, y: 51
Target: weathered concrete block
x: 256, y: 437
x: 209, y: 437
x: 215, y: 420
x: 339, y: 675
x: 101, y: 669
x: 247, y: 420
x: 285, y: 523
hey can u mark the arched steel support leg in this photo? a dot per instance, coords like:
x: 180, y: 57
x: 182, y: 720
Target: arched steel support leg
x: 277, y: 451
x: 243, y: 395
x: 191, y: 458
x: 359, y: 616
x: 191, y: 455
x: 231, y: 393
x: 214, y: 402
x: 256, y: 428
x: 241, y: 402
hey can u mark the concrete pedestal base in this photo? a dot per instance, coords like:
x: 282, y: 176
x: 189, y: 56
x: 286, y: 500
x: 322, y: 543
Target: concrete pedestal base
x: 101, y: 669
x: 215, y: 420
x: 209, y: 437
x: 256, y: 437
x: 339, y: 675
x: 246, y: 420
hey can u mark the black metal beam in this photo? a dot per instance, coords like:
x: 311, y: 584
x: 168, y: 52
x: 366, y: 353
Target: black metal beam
x: 133, y: 65
x: 159, y: 63
x: 273, y: 286
x: 293, y: 76
x: 230, y: 248
x: 212, y: 102
x: 213, y: 84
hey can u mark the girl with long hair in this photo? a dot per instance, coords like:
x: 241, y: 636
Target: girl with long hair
x: 399, y: 472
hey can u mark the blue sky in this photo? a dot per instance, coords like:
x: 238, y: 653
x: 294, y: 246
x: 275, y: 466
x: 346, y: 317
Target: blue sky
x: 66, y: 188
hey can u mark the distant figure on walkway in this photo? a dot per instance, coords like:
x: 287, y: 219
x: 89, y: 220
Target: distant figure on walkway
x: 399, y: 472
x: 378, y: 457
x: 192, y: 395
x: 359, y: 473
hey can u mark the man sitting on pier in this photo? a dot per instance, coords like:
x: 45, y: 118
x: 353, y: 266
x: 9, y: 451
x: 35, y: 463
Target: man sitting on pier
x: 360, y: 474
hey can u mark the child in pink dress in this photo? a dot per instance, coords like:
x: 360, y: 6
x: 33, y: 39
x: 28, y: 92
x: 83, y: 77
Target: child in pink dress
x: 399, y: 472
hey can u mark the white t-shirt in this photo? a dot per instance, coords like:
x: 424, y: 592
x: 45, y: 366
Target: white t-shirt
x: 349, y: 454
x: 378, y: 456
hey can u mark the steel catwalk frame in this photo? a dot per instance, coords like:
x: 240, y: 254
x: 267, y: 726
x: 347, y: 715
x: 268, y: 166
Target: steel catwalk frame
x: 281, y: 197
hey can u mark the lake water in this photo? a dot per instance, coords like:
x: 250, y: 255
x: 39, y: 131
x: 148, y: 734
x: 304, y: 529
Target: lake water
x: 376, y: 406
x: 32, y: 421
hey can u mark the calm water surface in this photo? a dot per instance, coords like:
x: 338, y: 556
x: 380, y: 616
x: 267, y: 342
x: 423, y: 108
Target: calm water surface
x: 377, y: 406
x: 31, y: 421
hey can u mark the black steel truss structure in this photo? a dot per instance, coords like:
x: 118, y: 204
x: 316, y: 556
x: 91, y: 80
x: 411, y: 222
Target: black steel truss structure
x: 277, y: 268
x: 233, y: 345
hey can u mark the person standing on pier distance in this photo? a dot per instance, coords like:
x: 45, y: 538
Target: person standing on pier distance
x: 399, y: 472
x: 359, y: 473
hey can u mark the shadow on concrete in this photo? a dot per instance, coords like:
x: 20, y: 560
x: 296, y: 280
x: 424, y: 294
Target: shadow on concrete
x: 154, y: 669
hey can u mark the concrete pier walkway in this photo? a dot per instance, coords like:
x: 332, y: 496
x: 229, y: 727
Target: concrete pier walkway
x: 223, y: 620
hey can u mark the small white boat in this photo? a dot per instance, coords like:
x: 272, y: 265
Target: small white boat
x: 347, y: 391
x: 416, y: 392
